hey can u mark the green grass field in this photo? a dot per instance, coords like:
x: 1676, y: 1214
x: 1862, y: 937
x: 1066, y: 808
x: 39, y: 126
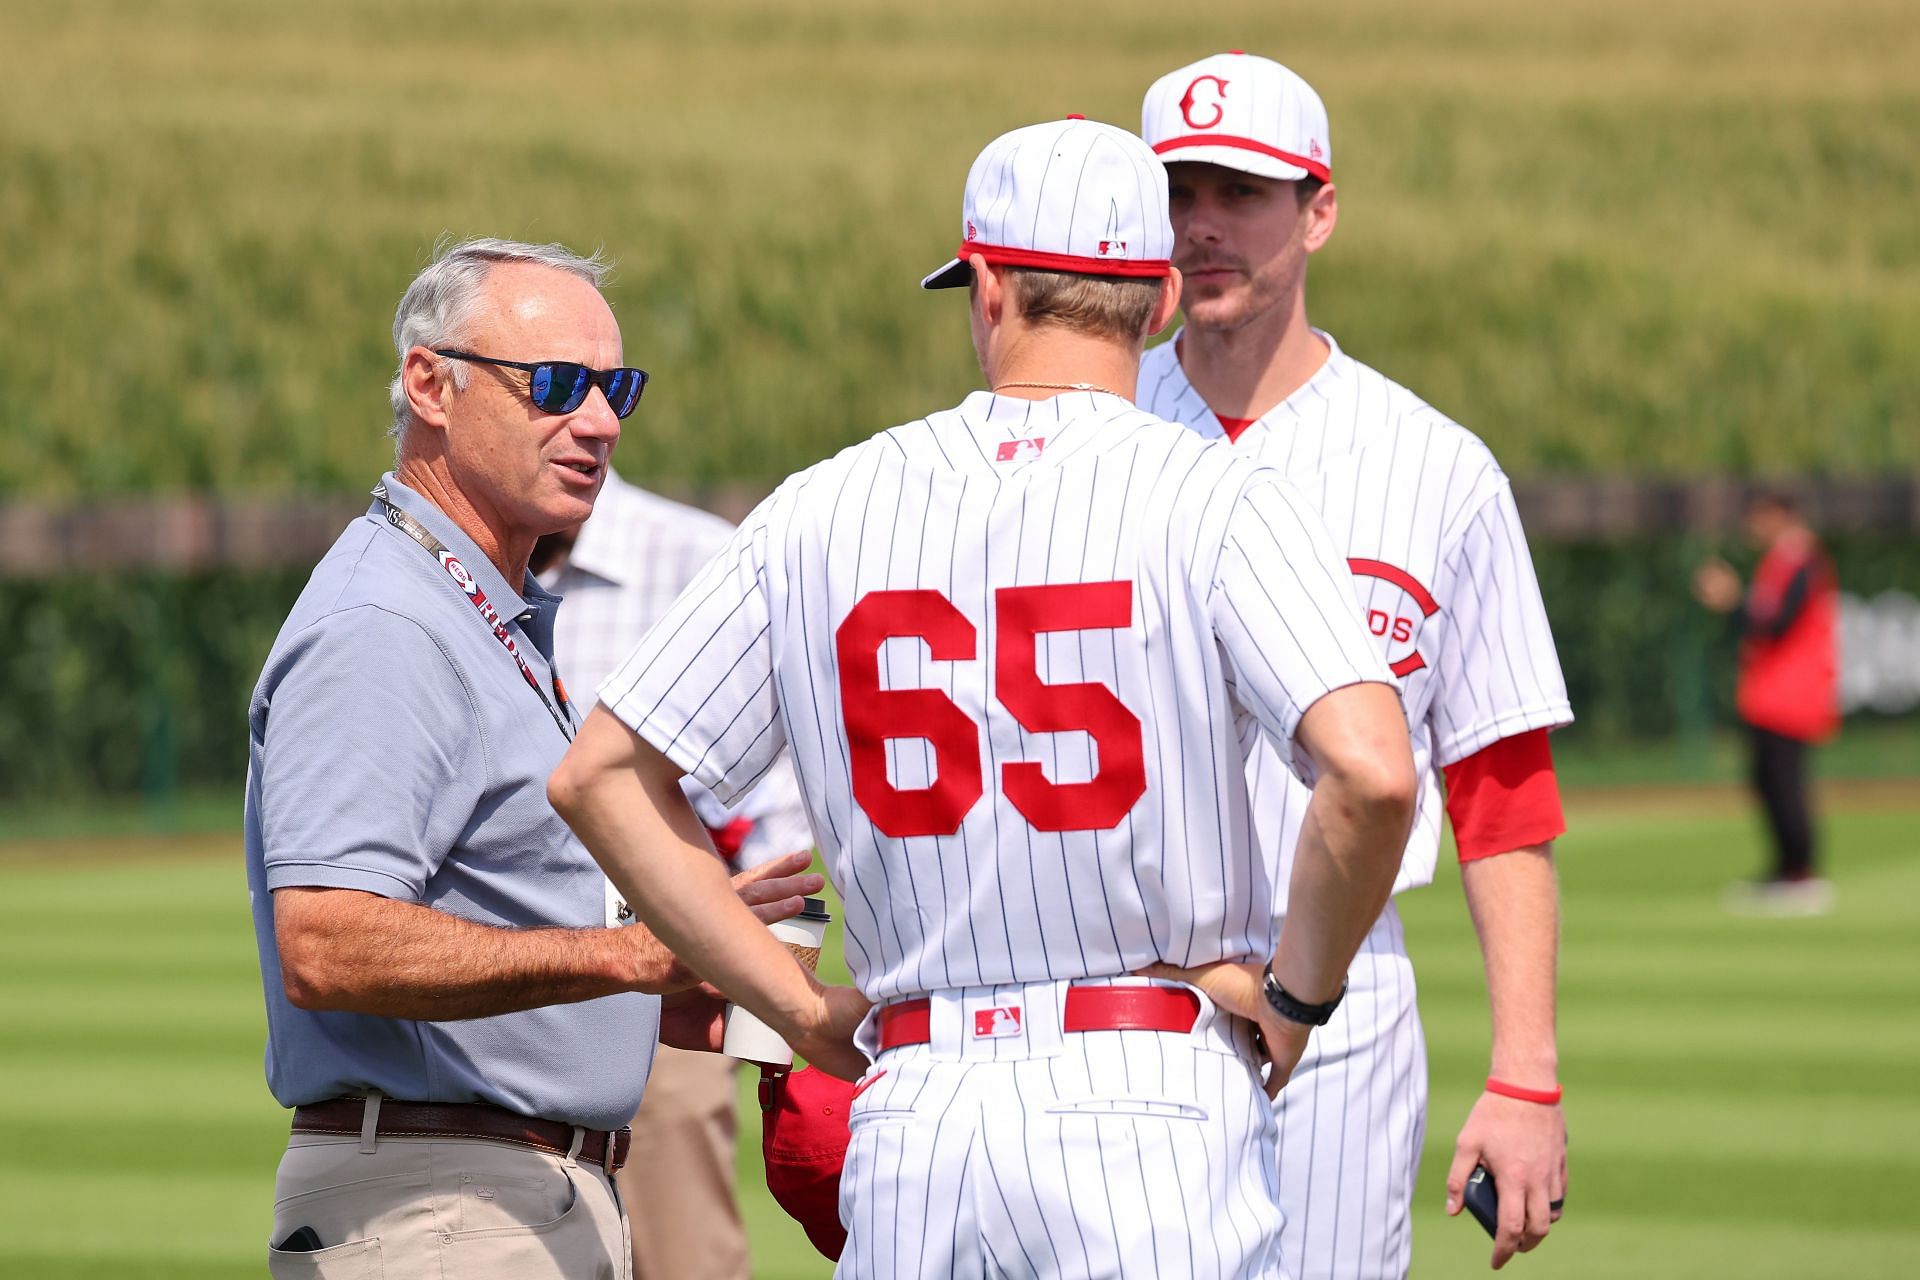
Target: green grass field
x: 1615, y: 233
x: 1740, y: 1093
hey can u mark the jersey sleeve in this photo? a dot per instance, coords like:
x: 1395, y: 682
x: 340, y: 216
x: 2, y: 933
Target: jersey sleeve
x: 370, y: 763
x: 1284, y: 612
x: 1498, y: 674
x: 1505, y: 797
x: 699, y: 686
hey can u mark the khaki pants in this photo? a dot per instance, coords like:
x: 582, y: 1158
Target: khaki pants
x: 419, y: 1207
x: 678, y: 1188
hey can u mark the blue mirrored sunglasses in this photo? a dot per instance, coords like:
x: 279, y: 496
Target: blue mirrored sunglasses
x: 561, y: 386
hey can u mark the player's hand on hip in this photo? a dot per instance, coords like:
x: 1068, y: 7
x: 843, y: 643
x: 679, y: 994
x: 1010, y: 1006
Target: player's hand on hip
x: 828, y: 1042
x: 1524, y: 1146
x: 1282, y: 1041
x: 1239, y: 988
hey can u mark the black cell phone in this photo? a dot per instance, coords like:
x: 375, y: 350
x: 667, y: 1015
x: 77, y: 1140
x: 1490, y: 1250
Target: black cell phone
x: 300, y: 1240
x: 1482, y: 1201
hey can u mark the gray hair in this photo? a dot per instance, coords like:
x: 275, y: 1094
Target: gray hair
x: 439, y: 303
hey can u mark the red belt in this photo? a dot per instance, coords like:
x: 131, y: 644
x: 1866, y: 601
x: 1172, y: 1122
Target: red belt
x: 465, y: 1120
x: 1087, y: 1009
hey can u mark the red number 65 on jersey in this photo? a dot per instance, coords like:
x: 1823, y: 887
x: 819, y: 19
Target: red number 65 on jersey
x: 874, y: 714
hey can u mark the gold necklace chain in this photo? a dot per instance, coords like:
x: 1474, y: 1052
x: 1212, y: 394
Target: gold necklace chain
x: 1055, y: 386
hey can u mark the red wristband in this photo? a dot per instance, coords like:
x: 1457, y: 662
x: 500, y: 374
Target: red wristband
x: 1545, y: 1097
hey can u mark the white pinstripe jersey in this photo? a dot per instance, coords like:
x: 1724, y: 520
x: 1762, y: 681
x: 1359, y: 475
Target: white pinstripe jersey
x: 634, y: 556
x: 1427, y: 521
x: 1017, y: 650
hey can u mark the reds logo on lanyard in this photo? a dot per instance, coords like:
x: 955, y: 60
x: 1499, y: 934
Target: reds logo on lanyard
x: 460, y: 574
x: 463, y: 579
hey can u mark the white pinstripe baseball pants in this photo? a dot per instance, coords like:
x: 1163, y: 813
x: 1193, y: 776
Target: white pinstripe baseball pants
x: 1351, y: 1123
x: 1090, y: 1154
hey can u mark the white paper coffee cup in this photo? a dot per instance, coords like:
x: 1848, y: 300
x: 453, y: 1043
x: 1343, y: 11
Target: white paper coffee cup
x: 747, y: 1037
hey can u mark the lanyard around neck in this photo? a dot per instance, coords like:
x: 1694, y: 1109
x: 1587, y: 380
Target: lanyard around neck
x: 562, y: 713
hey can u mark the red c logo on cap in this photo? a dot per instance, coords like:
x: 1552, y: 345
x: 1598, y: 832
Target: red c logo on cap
x: 1187, y: 103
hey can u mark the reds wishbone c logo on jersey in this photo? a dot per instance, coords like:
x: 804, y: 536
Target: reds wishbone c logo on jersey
x: 1395, y: 607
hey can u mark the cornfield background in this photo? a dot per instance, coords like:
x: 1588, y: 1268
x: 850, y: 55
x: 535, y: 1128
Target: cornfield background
x: 1631, y: 235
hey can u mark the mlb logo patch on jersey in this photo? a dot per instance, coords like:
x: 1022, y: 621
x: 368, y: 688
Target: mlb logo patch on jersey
x: 997, y: 1022
x: 1020, y: 450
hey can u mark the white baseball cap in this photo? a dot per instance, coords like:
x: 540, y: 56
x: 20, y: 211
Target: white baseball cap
x: 1242, y: 112
x: 1070, y: 195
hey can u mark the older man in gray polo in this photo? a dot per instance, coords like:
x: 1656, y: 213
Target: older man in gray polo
x: 460, y: 1030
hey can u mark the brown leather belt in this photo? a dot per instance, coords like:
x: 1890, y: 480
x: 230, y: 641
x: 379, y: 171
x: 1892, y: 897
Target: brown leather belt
x: 1087, y: 1009
x: 465, y: 1120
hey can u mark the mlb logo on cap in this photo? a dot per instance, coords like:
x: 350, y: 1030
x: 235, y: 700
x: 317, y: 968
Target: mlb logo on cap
x: 1071, y: 195
x: 1242, y: 112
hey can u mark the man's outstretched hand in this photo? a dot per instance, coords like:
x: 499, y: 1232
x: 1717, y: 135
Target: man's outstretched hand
x: 774, y: 890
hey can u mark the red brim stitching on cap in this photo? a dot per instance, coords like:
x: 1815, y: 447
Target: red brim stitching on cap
x: 1130, y: 267
x: 1313, y: 167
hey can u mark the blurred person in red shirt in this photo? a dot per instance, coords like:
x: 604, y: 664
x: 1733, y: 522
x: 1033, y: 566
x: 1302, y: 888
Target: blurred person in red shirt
x: 1787, y: 688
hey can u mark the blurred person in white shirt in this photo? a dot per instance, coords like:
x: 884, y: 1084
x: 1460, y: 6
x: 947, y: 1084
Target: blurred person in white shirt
x: 618, y: 572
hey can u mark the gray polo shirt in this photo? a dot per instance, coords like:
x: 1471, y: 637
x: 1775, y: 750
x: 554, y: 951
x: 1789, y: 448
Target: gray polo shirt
x: 395, y: 748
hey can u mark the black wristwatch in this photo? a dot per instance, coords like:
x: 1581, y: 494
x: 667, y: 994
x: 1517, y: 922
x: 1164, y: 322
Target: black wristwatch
x: 1313, y: 1015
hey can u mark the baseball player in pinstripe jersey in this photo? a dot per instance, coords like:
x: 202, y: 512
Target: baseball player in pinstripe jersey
x: 1427, y: 521
x: 1018, y: 651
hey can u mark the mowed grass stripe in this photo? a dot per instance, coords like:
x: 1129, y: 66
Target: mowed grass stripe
x: 1600, y: 1244
x: 153, y: 1223
x: 1724, y: 1075
x: 1740, y: 1092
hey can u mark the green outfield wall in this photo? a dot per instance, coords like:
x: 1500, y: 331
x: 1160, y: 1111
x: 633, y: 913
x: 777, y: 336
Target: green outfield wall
x: 135, y: 683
